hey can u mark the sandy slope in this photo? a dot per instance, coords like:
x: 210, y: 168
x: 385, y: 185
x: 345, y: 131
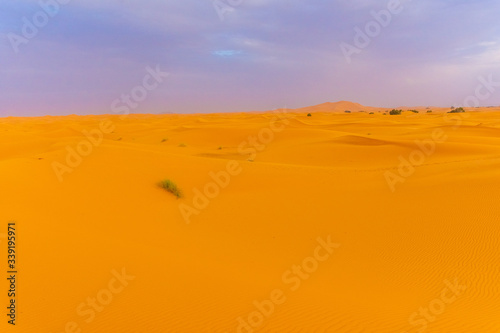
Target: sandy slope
x: 394, y: 253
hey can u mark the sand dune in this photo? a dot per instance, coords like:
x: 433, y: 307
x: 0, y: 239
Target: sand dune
x: 428, y: 242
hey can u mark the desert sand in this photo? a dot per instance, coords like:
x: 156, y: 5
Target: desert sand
x: 317, y: 226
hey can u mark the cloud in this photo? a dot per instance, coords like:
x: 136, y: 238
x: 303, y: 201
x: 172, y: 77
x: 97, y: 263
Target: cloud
x: 226, y: 53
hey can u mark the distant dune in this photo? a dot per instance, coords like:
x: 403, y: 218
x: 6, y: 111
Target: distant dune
x: 332, y: 222
x: 342, y: 106
x: 336, y: 107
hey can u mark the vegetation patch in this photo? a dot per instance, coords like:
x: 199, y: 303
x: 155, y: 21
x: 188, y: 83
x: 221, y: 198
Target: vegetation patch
x: 457, y: 110
x: 171, y: 187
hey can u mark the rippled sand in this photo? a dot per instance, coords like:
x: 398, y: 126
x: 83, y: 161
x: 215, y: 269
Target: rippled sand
x: 414, y: 246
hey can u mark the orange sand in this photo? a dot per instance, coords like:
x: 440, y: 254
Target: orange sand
x: 396, y: 253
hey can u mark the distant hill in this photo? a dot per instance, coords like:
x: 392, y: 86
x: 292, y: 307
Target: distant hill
x: 337, y: 107
x: 342, y: 106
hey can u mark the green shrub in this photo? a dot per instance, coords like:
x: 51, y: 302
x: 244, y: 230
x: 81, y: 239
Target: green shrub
x: 309, y: 115
x: 395, y: 112
x: 372, y: 113
x: 347, y: 111
x: 429, y: 111
x: 414, y: 111
x: 171, y: 187
x: 457, y: 110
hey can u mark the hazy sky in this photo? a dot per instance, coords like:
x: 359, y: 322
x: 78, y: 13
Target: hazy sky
x: 86, y: 56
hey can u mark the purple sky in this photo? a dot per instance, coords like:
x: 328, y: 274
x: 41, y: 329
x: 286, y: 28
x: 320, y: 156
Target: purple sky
x: 242, y: 55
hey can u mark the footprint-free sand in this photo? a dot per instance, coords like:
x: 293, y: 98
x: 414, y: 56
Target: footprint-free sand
x: 334, y: 222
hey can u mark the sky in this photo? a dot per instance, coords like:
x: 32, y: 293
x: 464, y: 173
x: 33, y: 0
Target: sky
x: 60, y: 57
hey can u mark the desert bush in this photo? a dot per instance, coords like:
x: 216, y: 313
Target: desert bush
x: 395, y: 112
x: 457, y: 110
x: 429, y: 111
x: 414, y: 111
x: 372, y: 113
x: 309, y: 115
x: 171, y: 187
x: 347, y: 111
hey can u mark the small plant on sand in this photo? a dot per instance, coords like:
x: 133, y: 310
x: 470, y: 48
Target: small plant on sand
x: 182, y: 145
x: 395, y: 112
x: 309, y: 115
x: 457, y: 110
x: 429, y: 111
x: 171, y: 187
x: 347, y: 111
x: 165, y: 139
x: 414, y: 111
x: 372, y: 113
